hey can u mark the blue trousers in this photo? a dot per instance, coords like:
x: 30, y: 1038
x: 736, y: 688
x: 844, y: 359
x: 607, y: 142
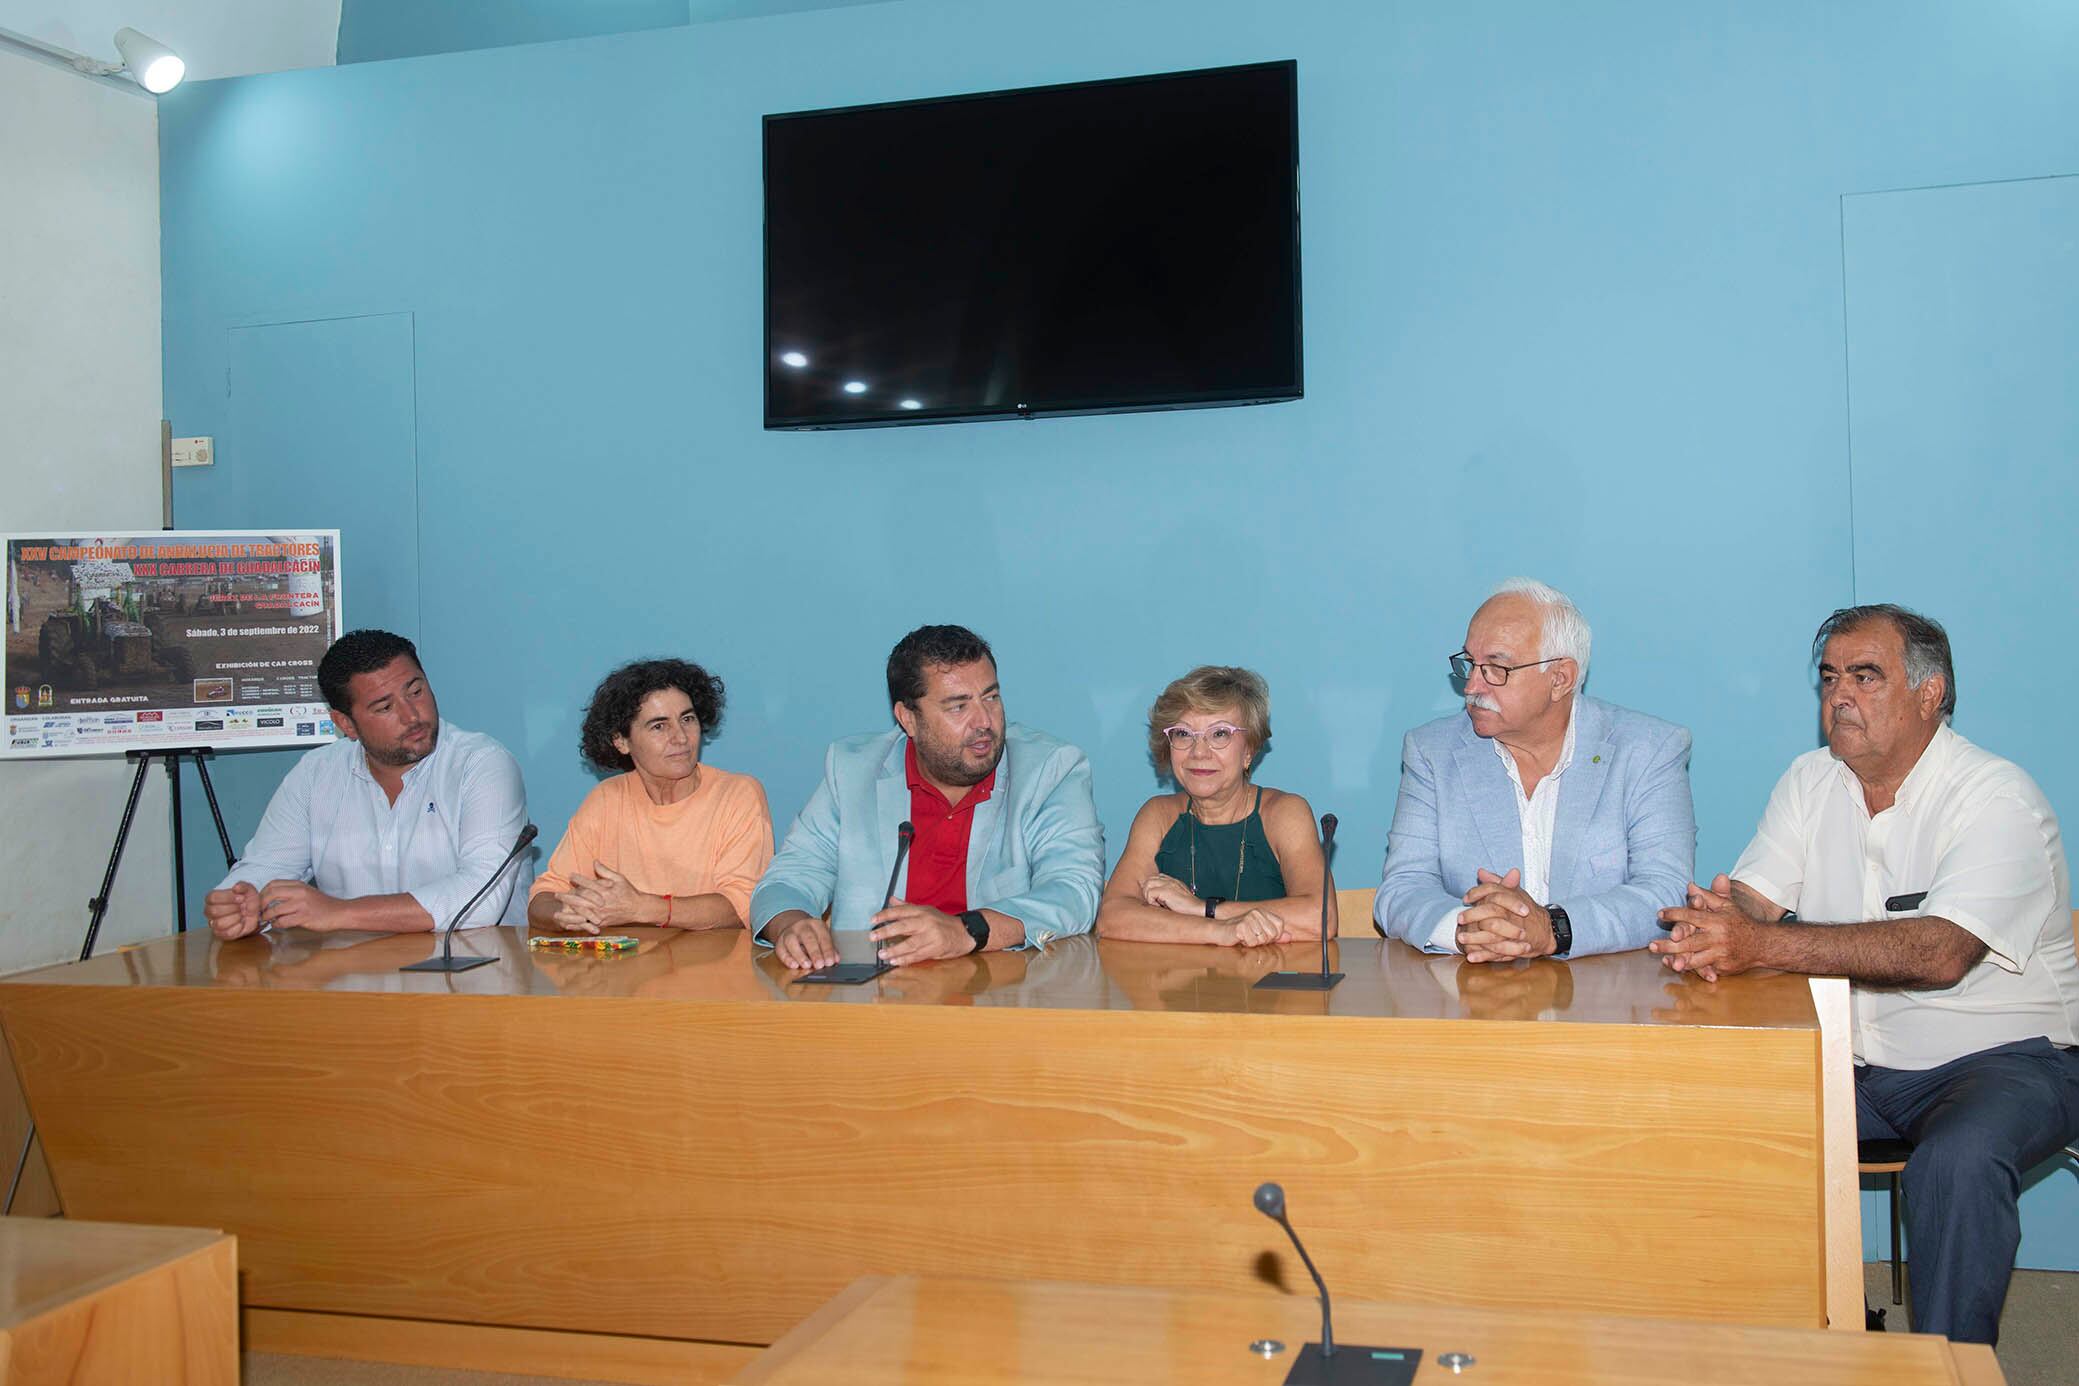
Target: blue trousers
x: 1977, y: 1124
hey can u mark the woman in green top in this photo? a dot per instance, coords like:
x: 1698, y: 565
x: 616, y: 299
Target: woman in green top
x: 1224, y: 860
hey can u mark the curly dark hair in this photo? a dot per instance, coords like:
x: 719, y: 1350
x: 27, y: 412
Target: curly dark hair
x: 619, y: 697
x: 359, y: 652
x: 941, y: 645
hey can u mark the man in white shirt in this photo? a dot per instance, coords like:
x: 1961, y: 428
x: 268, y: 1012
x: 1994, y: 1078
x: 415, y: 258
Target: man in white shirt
x: 390, y: 829
x: 1538, y: 823
x: 1931, y: 874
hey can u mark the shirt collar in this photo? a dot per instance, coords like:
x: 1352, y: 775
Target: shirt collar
x: 1566, y: 751
x: 411, y: 772
x: 1933, y: 759
x: 919, y: 785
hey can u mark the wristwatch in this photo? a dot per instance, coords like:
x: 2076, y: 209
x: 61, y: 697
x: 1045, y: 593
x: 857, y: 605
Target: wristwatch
x: 1214, y: 902
x: 1562, y: 931
x: 977, y: 926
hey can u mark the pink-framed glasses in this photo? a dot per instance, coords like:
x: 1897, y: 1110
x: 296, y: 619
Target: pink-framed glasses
x: 1217, y: 737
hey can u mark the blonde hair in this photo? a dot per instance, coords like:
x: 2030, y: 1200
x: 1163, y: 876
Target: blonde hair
x: 1211, y: 688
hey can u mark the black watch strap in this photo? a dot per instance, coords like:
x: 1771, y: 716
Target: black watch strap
x: 977, y: 927
x: 1214, y: 902
x: 1562, y: 931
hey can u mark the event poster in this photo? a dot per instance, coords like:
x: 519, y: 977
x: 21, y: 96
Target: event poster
x: 167, y: 639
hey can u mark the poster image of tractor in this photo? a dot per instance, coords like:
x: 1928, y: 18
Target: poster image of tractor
x: 102, y: 634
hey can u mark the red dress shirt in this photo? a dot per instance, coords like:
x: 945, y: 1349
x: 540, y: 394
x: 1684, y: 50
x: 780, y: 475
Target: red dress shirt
x: 938, y: 851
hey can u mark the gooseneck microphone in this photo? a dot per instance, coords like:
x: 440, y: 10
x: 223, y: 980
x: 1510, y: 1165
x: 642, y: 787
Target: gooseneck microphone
x: 846, y: 974
x: 1322, y: 1363
x: 1327, y: 882
x: 1270, y: 1201
x: 904, y: 835
x: 1324, y: 980
x: 447, y: 961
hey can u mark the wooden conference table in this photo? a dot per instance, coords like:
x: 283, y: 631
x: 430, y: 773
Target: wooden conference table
x: 910, y: 1332
x: 90, y: 1304
x: 683, y: 1147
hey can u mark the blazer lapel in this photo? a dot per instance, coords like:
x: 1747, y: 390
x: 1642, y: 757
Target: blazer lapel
x: 892, y: 800
x: 1493, y: 801
x: 985, y: 831
x: 1580, y: 790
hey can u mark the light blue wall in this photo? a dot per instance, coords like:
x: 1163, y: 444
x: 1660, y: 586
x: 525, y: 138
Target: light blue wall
x: 375, y: 30
x: 703, y: 10
x: 378, y: 30
x: 1574, y: 306
x: 1962, y: 307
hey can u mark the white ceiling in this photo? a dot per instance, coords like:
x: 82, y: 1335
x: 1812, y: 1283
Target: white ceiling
x: 216, y: 38
x: 237, y: 38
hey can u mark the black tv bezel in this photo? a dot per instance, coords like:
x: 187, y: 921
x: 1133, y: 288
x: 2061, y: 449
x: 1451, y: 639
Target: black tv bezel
x: 1057, y: 409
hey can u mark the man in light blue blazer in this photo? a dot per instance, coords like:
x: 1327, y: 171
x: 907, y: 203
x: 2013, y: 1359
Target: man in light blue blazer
x: 1538, y: 823
x: 1007, y: 849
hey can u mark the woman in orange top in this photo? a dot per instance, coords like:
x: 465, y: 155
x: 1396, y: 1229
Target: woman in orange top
x: 671, y: 841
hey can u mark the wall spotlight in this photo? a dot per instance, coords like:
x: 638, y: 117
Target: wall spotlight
x: 157, y: 68
x: 150, y: 63
x: 794, y: 358
x: 855, y: 387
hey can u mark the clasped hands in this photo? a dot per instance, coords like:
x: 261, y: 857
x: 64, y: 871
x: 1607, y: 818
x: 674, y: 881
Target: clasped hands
x: 1501, y: 923
x: 605, y: 900
x: 242, y: 909
x: 1250, y: 929
x: 1717, y: 933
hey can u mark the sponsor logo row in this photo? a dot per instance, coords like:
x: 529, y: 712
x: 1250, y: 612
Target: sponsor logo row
x: 71, y: 729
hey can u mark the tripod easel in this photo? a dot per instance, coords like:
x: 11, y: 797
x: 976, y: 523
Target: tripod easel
x: 98, y: 906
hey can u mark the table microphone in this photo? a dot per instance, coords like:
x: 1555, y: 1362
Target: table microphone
x: 1327, y: 881
x: 447, y: 961
x: 1322, y: 1363
x: 904, y: 835
x: 846, y: 974
x: 1270, y: 1201
x: 1324, y: 980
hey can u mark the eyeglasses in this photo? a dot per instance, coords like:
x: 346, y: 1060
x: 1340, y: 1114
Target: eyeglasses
x: 1463, y: 665
x: 1217, y: 737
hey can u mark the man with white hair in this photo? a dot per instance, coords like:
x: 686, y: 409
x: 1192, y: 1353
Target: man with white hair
x: 1540, y: 823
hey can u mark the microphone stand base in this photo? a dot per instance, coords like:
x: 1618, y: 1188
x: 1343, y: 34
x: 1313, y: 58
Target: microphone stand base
x: 846, y: 974
x: 437, y: 963
x: 1301, y: 981
x: 1354, y: 1365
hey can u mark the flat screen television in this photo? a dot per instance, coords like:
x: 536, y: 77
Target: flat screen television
x: 1091, y: 248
